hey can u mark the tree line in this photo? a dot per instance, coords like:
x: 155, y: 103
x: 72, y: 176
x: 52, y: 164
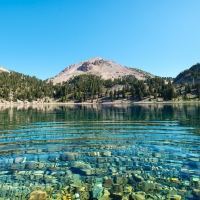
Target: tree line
x: 16, y: 86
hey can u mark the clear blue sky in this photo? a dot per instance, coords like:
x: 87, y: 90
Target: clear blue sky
x: 42, y: 37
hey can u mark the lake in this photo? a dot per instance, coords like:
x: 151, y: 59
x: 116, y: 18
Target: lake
x: 104, y: 152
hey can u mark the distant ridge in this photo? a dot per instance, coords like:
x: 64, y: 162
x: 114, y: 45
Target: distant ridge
x: 191, y: 75
x: 106, y: 69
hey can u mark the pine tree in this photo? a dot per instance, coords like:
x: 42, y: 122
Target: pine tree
x: 123, y: 92
x: 111, y: 95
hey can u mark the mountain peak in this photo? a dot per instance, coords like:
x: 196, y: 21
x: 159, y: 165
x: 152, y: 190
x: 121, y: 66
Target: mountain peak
x: 106, y: 69
x: 95, y: 58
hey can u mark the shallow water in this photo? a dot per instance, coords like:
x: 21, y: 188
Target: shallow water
x: 152, y: 149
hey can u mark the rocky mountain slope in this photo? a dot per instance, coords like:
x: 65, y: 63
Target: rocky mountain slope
x: 106, y: 69
x: 191, y: 75
x: 3, y: 69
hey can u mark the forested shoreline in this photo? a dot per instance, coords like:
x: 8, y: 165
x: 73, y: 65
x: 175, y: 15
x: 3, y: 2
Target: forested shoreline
x: 17, y: 87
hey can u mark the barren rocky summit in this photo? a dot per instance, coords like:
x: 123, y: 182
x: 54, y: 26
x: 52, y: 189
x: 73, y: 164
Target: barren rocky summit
x: 106, y: 69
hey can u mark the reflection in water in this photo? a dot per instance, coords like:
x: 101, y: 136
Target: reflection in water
x: 100, y: 151
x: 16, y: 115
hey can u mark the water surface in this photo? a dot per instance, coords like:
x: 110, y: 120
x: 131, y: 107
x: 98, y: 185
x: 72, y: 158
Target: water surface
x: 153, y: 149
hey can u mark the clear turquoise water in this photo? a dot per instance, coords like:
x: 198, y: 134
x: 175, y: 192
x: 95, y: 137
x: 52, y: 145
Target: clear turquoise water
x: 159, y: 142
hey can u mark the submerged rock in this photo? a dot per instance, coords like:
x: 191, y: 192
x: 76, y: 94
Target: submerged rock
x: 138, y: 196
x: 68, y: 156
x: 106, y: 153
x: 138, y: 178
x: 97, y: 191
x: 147, y: 186
x: 107, y: 182
x: 175, y: 197
x: 30, y: 165
x: 82, y: 168
x: 116, y: 188
x: 38, y: 195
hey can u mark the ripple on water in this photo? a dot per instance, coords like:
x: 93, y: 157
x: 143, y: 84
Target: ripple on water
x: 44, y: 152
